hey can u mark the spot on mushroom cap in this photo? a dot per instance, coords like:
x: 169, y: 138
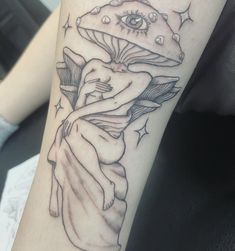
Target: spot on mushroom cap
x: 160, y: 40
x: 153, y: 16
x: 96, y: 10
x: 120, y: 2
x: 144, y: 45
x: 106, y: 19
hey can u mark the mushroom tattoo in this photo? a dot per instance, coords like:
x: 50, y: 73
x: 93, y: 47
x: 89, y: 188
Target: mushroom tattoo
x: 89, y: 183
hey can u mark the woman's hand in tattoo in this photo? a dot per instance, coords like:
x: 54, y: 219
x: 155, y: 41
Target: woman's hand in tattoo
x: 95, y: 85
x: 89, y: 87
x: 69, y: 122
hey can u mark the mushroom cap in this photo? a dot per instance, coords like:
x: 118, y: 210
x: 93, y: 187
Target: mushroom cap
x: 132, y: 32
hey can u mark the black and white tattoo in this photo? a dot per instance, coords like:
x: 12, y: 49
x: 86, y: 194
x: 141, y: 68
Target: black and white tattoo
x: 67, y: 26
x: 106, y: 98
x: 184, y: 16
x: 142, y: 132
x: 58, y: 107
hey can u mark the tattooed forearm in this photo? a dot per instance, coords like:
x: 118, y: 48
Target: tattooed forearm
x: 106, y: 98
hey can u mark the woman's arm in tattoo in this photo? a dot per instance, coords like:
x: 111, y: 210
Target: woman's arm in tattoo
x: 122, y: 65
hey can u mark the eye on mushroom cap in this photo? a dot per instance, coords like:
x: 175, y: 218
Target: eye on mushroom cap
x: 154, y: 42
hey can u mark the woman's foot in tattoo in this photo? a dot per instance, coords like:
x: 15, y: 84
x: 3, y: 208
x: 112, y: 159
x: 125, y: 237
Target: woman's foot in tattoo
x: 109, y: 196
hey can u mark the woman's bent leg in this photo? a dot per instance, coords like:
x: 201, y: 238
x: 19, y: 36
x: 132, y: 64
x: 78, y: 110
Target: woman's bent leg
x: 108, y: 148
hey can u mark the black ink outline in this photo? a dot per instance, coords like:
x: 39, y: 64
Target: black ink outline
x: 58, y: 107
x: 80, y: 80
x: 159, y: 64
x: 181, y: 16
x: 142, y: 135
x: 155, y: 10
x: 133, y: 29
x: 67, y: 26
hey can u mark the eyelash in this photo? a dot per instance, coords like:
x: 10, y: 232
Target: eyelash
x: 129, y: 29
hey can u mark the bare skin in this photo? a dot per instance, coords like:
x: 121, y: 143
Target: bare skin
x: 83, y: 224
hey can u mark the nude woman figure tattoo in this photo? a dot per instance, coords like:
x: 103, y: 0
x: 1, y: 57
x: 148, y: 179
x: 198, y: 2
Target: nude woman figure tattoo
x: 106, y: 98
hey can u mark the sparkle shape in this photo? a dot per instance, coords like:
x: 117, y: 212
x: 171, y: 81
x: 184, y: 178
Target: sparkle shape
x: 96, y: 10
x: 67, y: 26
x: 142, y: 132
x: 160, y: 40
x: 153, y: 17
x: 58, y: 107
x: 106, y: 20
x: 184, y: 16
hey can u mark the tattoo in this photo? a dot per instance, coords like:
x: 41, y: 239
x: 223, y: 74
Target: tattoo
x: 184, y: 16
x: 58, y: 107
x: 142, y: 132
x: 106, y: 98
x: 67, y: 26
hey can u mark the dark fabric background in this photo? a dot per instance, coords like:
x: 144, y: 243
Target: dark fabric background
x: 212, y: 86
x: 19, y: 21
